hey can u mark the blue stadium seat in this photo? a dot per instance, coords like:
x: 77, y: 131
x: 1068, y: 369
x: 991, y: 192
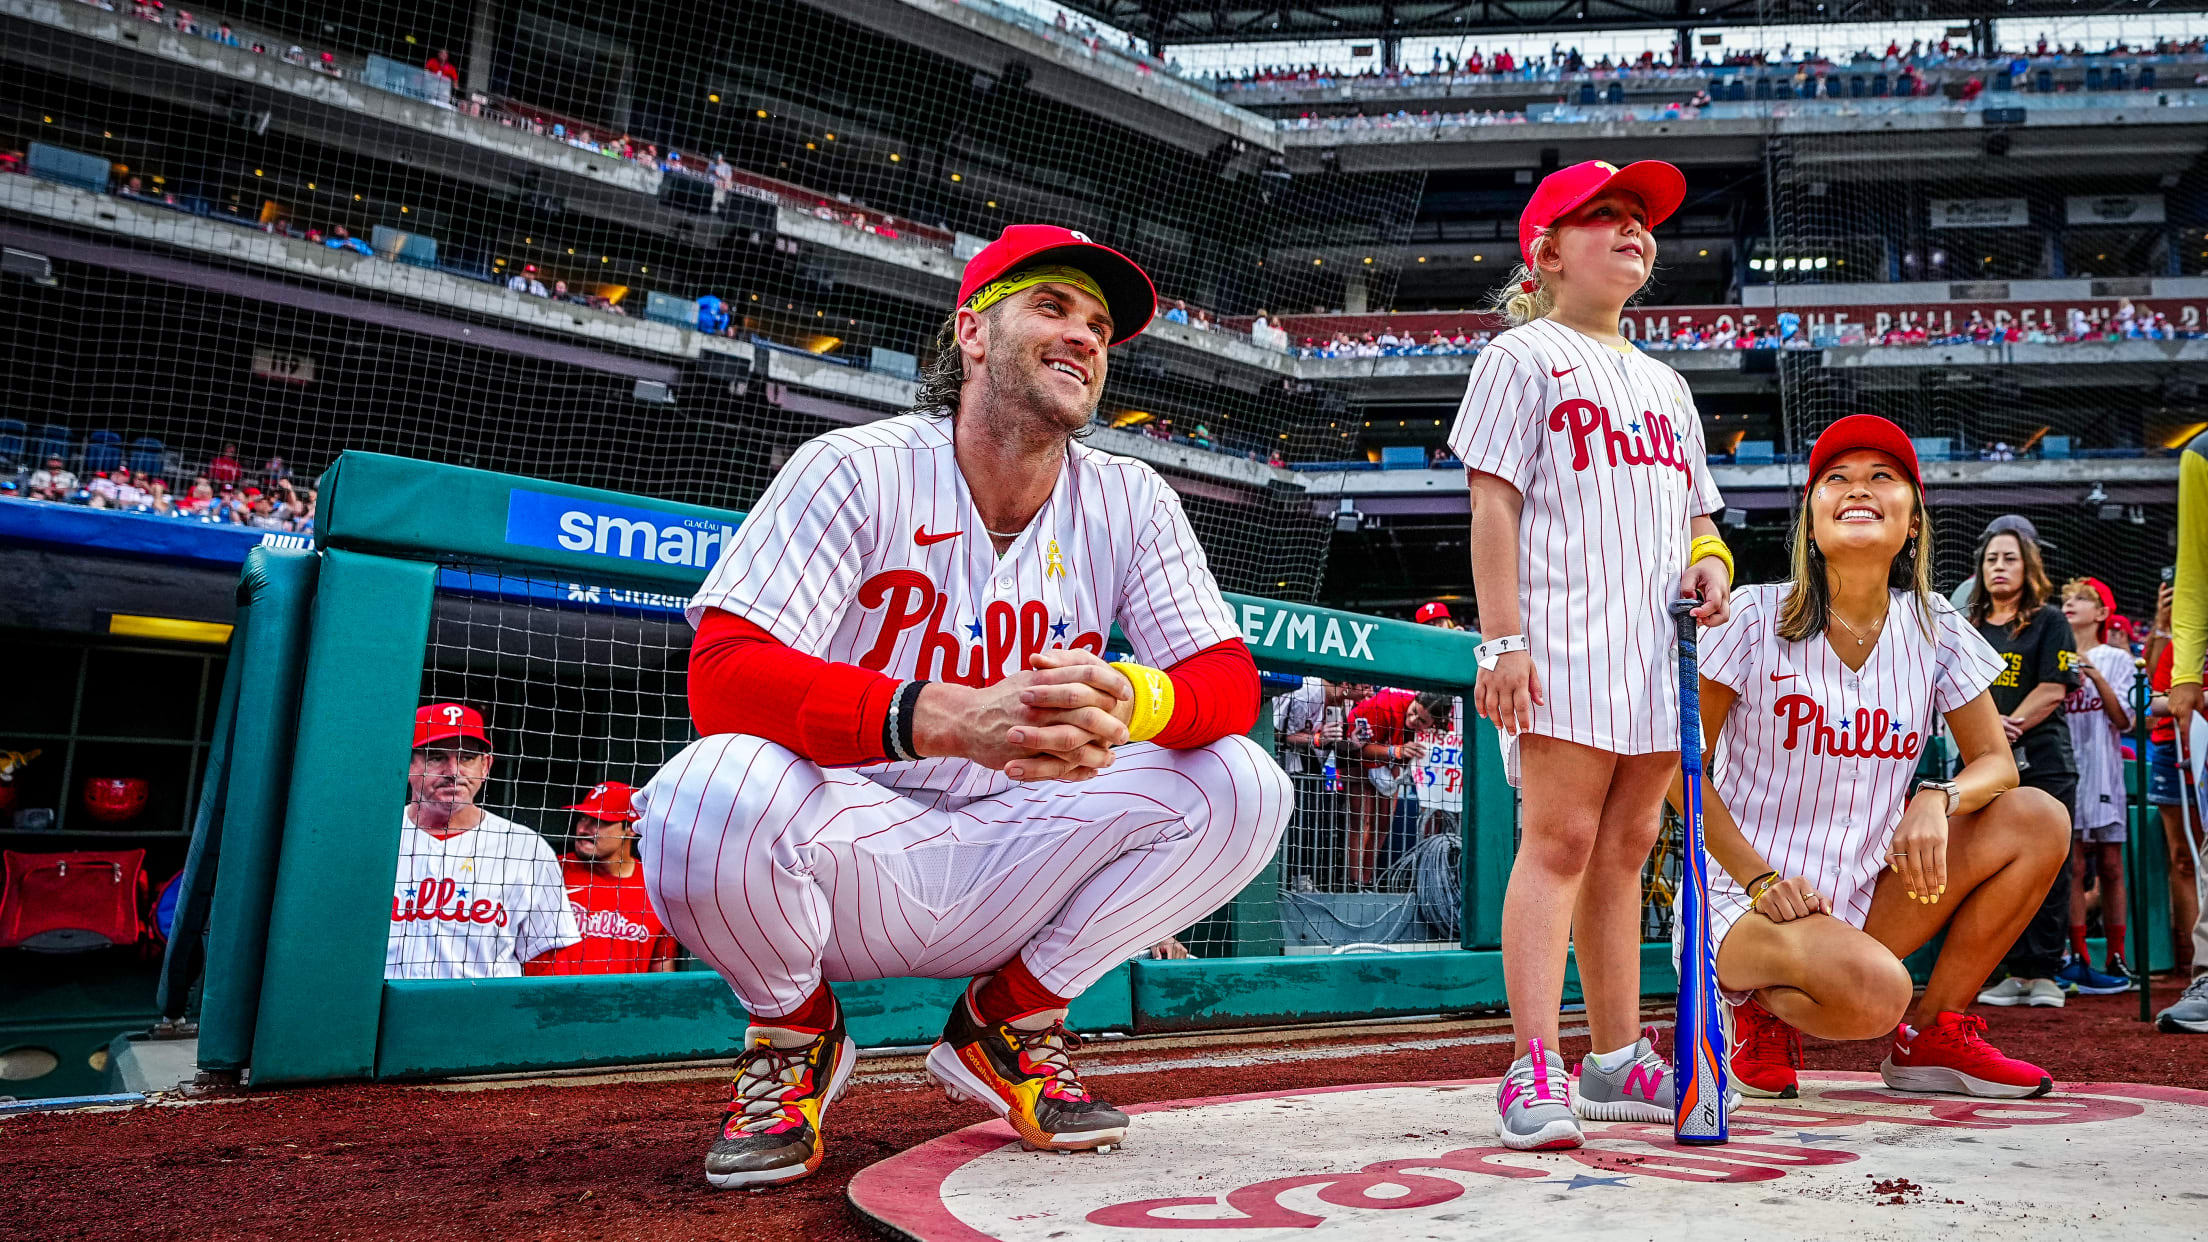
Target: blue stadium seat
x: 1878, y: 85
x: 1753, y: 453
x: 1586, y: 92
x: 2044, y: 82
x: 53, y: 441
x: 1933, y: 448
x: 1856, y: 87
x: 1763, y: 88
x: 14, y: 436
x: 147, y: 456
x: 1617, y: 93
x: 2003, y: 82
x: 1736, y: 90
x: 2054, y: 448
x: 1402, y: 457
x: 2093, y: 77
x: 103, y: 450
x: 2116, y: 79
x: 2146, y: 77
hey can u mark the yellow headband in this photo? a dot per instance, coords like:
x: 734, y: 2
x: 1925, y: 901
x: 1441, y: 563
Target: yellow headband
x: 1005, y: 286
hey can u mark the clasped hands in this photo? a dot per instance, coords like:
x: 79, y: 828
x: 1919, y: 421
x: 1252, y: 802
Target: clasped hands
x: 1056, y: 720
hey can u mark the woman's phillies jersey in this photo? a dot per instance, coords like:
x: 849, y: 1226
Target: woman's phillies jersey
x: 866, y: 549
x: 1815, y: 760
x: 2099, y: 749
x: 1606, y: 448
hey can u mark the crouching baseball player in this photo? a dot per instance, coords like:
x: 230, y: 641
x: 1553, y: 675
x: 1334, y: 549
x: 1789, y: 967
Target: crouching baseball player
x: 916, y: 760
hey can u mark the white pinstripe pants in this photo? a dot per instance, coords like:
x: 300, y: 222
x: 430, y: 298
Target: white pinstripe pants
x: 781, y: 873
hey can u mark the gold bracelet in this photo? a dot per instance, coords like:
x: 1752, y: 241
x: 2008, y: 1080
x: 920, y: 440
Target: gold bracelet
x: 1711, y: 545
x: 1153, y: 700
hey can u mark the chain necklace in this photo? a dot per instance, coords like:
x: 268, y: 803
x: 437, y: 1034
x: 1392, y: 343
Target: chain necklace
x: 1002, y: 534
x: 1834, y: 613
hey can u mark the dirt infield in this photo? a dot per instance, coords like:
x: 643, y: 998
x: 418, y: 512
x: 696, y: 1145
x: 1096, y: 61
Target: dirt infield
x: 616, y: 1156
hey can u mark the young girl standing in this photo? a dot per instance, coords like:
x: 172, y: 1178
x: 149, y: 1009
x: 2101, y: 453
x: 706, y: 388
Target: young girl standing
x: 1590, y: 514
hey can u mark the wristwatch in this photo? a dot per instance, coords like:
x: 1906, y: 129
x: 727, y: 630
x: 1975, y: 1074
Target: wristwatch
x: 1953, y: 791
x: 1491, y: 652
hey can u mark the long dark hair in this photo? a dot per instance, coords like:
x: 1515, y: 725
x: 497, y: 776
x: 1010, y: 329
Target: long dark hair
x: 1807, y: 609
x: 2037, y: 590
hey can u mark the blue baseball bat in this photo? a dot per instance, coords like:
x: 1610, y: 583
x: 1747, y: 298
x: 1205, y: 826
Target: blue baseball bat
x: 1698, y: 1051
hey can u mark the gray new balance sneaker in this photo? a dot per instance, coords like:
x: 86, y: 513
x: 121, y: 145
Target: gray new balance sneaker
x: 1533, y: 1105
x: 2189, y: 1016
x: 1639, y: 1090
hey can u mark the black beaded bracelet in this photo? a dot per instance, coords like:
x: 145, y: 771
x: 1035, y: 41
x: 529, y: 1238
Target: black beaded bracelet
x: 897, y: 731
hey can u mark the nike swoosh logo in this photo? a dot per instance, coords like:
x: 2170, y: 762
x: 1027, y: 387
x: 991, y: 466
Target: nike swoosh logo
x: 1554, y: 374
x: 1783, y: 676
x: 923, y: 538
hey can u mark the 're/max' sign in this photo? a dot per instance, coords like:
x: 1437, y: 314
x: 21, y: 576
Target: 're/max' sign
x: 624, y: 532
x: 1285, y: 628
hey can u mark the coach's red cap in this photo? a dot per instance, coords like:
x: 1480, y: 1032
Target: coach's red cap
x: 1128, y: 293
x: 1863, y: 431
x: 1429, y: 613
x: 1659, y: 186
x: 609, y: 801
x: 441, y: 721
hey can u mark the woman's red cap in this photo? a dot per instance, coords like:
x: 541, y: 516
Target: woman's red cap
x: 1863, y: 431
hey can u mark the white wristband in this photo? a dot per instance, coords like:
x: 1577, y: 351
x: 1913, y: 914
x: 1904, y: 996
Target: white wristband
x: 1492, y: 651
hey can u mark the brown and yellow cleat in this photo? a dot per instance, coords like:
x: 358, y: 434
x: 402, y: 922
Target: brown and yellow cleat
x: 771, y: 1132
x: 1026, y: 1077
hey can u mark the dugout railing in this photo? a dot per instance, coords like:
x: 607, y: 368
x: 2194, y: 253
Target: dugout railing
x: 342, y: 645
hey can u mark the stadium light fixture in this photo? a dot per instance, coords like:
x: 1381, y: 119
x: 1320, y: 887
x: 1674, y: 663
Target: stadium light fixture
x: 711, y: 98
x: 761, y: 113
x: 107, y: 133
x: 811, y: 146
x: 895, y: 158
x: 831, y: 137
x: 256, y: 172
x: 1479, y: 258
x: 1705, y: 254
x: 992, y: 202
x: 1317, y: 262
x: 644, y: 271
x: 1422, y: 258
x: 404, y: 209
x: 310, y: 185
x: 956, y: 177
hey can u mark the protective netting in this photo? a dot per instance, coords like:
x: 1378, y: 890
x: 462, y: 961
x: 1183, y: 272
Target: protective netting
x: 2082, y: 380
x: 649, y: 247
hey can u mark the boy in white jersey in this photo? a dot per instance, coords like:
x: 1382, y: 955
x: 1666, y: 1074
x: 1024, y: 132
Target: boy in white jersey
x: 915, y: 760
x: 2099, y: 713
x: 1817, y: 699
x: 1591, y: 506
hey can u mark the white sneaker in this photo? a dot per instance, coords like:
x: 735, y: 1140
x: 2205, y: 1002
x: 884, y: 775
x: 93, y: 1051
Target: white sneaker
x: 2010, y: 991
x: 2045, y: 994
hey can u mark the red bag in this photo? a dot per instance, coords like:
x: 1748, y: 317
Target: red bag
x: 63, y: 903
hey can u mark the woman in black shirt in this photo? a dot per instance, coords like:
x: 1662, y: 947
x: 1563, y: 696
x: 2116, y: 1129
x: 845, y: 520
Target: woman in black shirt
x: 2013, y: 610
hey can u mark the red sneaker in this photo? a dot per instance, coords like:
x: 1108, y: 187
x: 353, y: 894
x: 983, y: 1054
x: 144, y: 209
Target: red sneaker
x: 1765, y: 1055
x: 1952, y: 1056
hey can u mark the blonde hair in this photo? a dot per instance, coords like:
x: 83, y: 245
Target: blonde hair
x: 1518, y: 305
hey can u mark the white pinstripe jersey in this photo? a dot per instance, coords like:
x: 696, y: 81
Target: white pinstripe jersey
x: 2094, y: 740
x: 1607, y: 449
x: 1815, y: 760
x: 866, y: 549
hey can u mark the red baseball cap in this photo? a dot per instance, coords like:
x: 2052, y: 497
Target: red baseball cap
x: 1863, y: 431
x: 1660, y: 187
x: 1431, y: 612
x: 2108, y: 597
x: 609, y: 801
x: 441, y: 721
x: 1128, y: 293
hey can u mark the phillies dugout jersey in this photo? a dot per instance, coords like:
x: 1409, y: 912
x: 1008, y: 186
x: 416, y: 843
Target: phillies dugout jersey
x: 2094, y: 742
x: 622, y: 934
x: 1815, y: 760
x: 1606, y: 448
x: 475, y: 905
x: 866, y: 549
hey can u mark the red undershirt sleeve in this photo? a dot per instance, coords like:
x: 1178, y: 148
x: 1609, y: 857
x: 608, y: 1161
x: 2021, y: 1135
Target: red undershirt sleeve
x: 744, y: 680
x: 1214, y: 696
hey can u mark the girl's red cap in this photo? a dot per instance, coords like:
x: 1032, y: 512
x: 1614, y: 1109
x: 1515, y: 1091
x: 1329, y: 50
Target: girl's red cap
x: 1660, y: 187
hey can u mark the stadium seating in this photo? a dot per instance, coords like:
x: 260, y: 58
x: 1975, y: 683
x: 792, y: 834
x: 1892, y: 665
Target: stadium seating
x: 1754, y: 453
x: 148, y: 456
x: 103, y: 451
x: 2054, y: 448
x: 1933, y: 448
x: 53, y: 441
x: 13, y: 439
x: 52, y: 163
x: 1402, y: 457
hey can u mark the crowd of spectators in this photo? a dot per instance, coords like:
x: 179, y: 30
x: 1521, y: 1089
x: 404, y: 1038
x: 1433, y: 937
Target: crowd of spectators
x: 223, y: 493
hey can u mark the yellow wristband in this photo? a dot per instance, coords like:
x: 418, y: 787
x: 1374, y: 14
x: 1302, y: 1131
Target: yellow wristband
x: 1153, y: 700
x: 1711, y: 545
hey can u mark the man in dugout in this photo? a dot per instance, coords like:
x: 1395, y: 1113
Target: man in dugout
x: 622, y: 934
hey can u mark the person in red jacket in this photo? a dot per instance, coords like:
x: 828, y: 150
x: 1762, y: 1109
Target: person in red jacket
x: 1383, y: 734
x: 915, y: 759
x: 441, y: 65
x: 622, y: 934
